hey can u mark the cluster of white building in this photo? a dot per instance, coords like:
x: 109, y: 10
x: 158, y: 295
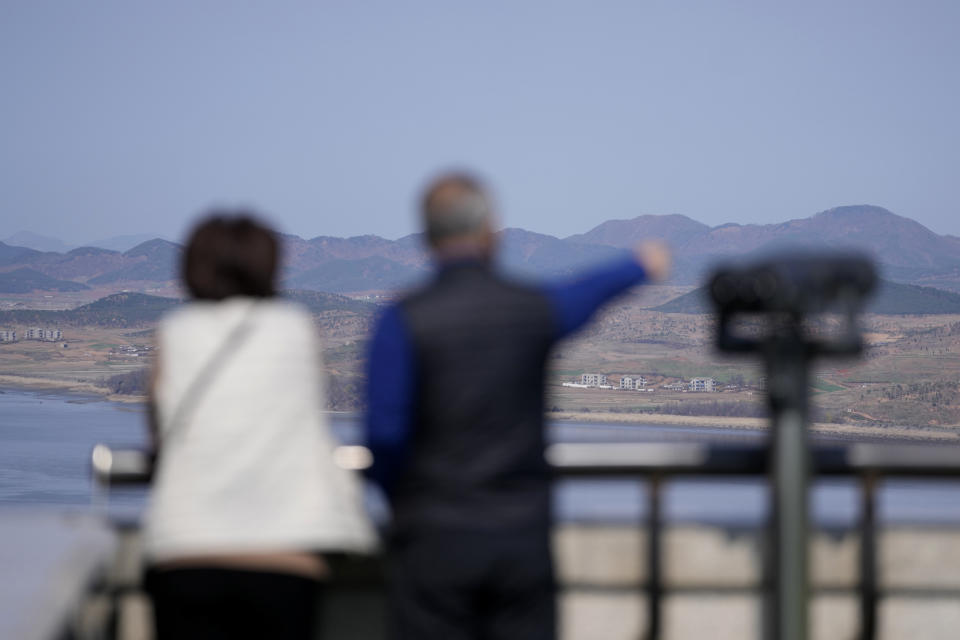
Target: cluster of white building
x: 708, y: 385
x: 639, y: 383
x: 131, y: 350
x: 590, y: 380
x: 32, y: 333
x: 594, y: 380
x: 633, y: 383
x: 599, y: 381
x: 698, y: 385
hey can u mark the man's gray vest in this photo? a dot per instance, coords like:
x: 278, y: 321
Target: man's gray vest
x: 476, y: 451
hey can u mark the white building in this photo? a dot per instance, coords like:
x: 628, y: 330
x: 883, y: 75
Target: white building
x: 47, y: 335
x: 8, y: 335
x: 675, y: 386
x: 633, y: 383
x: 593, y: 379
x: 707, y: 385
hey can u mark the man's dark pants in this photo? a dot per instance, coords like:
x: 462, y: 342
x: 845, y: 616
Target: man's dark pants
x: 472, y: 585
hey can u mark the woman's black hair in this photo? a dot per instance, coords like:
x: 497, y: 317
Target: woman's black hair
x: 230, y: 254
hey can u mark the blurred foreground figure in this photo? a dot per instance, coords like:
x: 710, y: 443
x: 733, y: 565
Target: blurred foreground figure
x: 455, y: 422
x: 246, y: 494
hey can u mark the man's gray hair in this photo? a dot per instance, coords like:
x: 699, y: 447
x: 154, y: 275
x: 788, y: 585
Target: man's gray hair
x: 455, y: 205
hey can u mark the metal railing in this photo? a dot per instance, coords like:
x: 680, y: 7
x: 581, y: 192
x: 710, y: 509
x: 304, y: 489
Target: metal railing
x: 657, y: 462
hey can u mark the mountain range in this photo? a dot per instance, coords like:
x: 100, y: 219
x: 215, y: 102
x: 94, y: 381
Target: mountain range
x: 906, y: 252
x: 39, y: 242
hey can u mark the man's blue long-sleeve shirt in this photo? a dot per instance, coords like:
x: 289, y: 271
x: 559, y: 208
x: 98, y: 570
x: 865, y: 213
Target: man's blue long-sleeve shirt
x: 392, y: 365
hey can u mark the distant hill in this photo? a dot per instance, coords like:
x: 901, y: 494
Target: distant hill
x: 676, y: 230
x: 11, y: 254
x: 362, y: 274
x: 153, y: 261
x: 121, y: 243
x: 537, y: 255
x: 156, y: 261
x: 37, y: 242
x: 904, y: 249
x: 122, y: 310
x: 908, y: 299
x: 117, y: 310
x: 82, y: 263
x: 891, y: 298
x: 48, y: 244
x: 328, y: 248
x: 319, y: 301
x: 131, y: 310
x: 25, y: 280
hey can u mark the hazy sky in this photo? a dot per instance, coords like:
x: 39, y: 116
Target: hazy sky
x: 126, y: 117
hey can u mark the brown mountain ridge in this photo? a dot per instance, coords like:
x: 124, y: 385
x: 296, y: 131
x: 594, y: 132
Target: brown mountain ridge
x: 905, y: 250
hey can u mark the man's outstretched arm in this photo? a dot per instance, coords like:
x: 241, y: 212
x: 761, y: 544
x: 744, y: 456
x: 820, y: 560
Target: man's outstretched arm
x: 390, y: 389
x: 575, y: 302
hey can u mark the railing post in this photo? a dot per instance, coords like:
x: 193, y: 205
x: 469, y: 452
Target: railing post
x: 655, y: 577
x: 868, y: 558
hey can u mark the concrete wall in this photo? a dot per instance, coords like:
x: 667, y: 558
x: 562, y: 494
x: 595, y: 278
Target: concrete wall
x: 599, y: 567
x: 599, y: 564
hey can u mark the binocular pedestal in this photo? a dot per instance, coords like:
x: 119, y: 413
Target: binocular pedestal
x: 784, y: 293
x: 788, y: 376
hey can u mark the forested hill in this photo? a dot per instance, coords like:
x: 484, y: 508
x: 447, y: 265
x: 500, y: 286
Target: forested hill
x: 891, y: 298
x: 319, y: 301
x: 122, y: 310
x: 117, y: 310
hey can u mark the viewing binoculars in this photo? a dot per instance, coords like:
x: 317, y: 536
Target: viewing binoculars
x: 797, y: 283
x: 793, y: 286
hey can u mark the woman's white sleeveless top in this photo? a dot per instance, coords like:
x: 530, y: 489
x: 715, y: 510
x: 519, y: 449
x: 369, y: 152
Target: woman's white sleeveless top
x: 250, y: 467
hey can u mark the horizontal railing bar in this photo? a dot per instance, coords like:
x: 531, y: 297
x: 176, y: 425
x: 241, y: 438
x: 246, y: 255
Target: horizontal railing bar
x: 615, y: 459
x: 130, y: 467
x: 890, y: 592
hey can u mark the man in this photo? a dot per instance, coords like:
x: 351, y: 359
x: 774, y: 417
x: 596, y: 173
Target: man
x: 455, y: 423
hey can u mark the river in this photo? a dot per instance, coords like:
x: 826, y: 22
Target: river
x: 46, y: 439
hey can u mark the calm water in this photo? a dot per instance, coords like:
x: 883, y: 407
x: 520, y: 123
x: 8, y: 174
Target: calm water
x: 45, y: 443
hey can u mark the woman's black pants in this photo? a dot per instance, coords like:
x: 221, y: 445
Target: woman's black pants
x: 215, y: 603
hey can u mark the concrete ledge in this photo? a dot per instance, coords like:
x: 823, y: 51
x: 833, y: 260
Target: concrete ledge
x: 694, y: 555
x: 600, y: 565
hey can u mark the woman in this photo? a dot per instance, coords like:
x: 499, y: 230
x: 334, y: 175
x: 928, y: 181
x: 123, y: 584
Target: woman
x: 246, y: 492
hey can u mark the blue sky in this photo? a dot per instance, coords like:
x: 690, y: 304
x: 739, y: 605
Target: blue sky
x: 122, y: 117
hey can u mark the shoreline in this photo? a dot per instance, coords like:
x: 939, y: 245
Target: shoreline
x: 920, y: 433
x: 751, y: 424
x: 72, y: 387
x: 90, y: 390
